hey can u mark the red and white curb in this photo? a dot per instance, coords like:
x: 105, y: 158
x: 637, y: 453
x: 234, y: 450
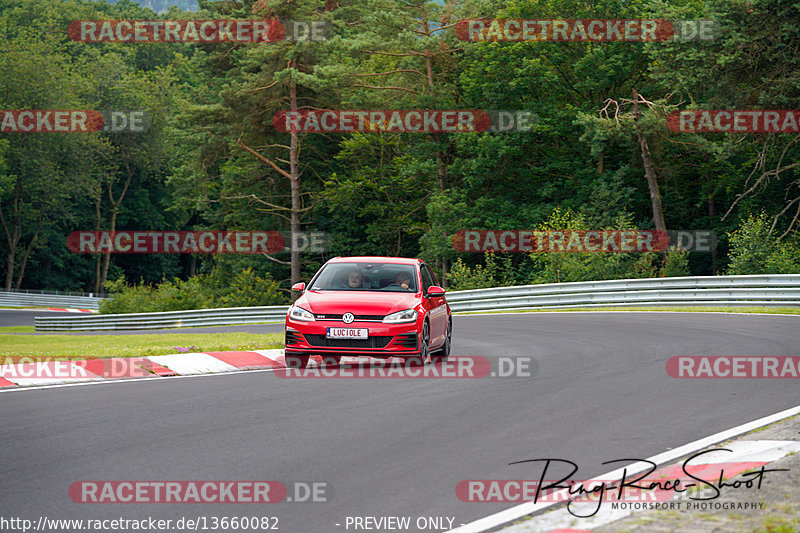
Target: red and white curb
x: 48, y: 373
x: 73, y: 310
x: 182, y: 364
x: 553, y: 517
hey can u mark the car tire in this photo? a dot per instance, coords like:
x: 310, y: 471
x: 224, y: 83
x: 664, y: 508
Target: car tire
x: 424, y: 356
x: 444, y: 352
x: 296, y: 362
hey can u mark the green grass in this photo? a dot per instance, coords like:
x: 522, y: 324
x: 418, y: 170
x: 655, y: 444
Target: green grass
x: 83, y: 346
x: 796, y: 418
x: 779, y: 524
x: 17, y: 329
x: 699, y: 309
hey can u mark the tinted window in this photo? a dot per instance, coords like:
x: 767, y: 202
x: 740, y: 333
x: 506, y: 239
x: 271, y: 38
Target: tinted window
x: 384, y: 277
x: 427, y: 278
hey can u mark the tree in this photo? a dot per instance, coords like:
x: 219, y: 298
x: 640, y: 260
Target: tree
x: 38, y: 168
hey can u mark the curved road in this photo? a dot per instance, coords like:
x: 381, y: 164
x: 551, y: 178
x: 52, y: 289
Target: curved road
x: 24, y: 317
x: 395, y: 447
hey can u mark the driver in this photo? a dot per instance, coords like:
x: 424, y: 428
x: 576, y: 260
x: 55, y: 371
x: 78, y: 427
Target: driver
x: 404, y: 280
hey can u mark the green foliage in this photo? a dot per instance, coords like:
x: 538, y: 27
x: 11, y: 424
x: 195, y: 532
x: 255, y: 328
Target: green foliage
x: 676, y: 264
x: 560, y: 267
x: 245, y: 289
x: 127, y: 298
x: 755, y: 251
x: 175, y: 295
x: 498, y: 272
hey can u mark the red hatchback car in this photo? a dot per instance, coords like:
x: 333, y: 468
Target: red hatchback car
x: 375, y: 306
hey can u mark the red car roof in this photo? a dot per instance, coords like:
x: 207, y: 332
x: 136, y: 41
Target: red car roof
x: 377, y: 259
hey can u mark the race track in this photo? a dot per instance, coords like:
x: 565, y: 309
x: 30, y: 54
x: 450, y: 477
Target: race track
x: 24, y: 317
x: 395, y: 447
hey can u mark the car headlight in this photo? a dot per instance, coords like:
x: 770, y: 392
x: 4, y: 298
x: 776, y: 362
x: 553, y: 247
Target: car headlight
x: 298, y: 313
x: 407, y: 315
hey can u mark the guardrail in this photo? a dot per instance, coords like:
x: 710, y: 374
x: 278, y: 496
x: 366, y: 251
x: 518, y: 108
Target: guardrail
x: 48, y: 299
x: 760, y: 290
x: 57, y: 292
x: 767, y: 290
x: 168, y: 319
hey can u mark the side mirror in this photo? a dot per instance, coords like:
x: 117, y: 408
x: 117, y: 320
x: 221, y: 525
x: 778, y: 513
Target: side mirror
x: 299, y: 287
x: 435, y: 290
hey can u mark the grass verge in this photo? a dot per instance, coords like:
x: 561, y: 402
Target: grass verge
x: 17, y: 329
x: 82, y: 346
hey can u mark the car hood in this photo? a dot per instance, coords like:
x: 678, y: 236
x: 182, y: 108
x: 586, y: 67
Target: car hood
x: 356, y: 302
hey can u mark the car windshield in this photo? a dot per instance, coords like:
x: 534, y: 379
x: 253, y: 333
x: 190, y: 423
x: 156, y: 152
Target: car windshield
x: 383, y: 277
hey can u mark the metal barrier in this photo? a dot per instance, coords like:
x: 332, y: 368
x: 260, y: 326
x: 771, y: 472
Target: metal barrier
x: 56, y: 292
x: 168, y: 319
x: 767, y: 290
x: 51, y: 299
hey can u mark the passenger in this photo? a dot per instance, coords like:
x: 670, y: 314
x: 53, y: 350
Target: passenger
x: 354, y: 279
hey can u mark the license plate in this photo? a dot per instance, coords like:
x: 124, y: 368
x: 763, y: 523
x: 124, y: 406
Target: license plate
x: 346, y: 333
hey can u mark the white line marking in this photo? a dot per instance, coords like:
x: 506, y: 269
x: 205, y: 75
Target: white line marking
x: 135, y: 380
x: 192, y: 363
x: 272, y: 355
x: 46, y: 373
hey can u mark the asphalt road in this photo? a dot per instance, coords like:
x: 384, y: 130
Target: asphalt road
x: 24, y: 317
x: 395, y: 447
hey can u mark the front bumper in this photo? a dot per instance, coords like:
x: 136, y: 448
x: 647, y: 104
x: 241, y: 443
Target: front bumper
x: 309, y: 338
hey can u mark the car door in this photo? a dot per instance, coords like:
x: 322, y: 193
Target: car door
x: 437, y: 316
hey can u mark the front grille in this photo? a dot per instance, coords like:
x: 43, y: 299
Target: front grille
x: 408, y: 340
x: 377, y: 318
x: 371, y: 342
